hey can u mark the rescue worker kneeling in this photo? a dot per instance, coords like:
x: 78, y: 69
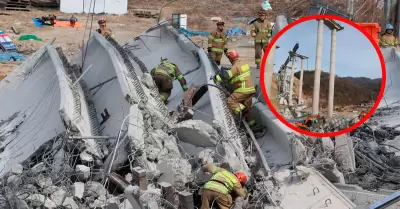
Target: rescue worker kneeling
x: 164, y: 75
x: 220, y: 187
x: 239, y: 76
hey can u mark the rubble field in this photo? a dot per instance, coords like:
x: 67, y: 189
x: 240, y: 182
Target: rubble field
x: 143, y: 158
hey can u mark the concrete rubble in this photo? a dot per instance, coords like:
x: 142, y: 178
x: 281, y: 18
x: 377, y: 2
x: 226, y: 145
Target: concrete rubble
x: 150, y: 151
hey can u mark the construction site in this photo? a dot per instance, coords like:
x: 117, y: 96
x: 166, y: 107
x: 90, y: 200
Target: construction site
x: 332, y: 93
x: 82, y: 123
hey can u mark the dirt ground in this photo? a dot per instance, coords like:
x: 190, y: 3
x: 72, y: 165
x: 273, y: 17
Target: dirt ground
x: 124, y: 27
x: 70, y: 39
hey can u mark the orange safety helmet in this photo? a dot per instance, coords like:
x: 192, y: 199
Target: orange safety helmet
x: 241, y: 177
x: 102, y: 21
x: 233, y: 55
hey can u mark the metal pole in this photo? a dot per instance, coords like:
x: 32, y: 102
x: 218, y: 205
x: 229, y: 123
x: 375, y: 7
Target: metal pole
x: 84, y: 72
x: 269, y: 70
x: 92, y: 137
x: 257, y: 146
x: 318, y: 66
x: 291, y: 82
x: 387, y: 10
x: 301, y: 81
x: 332, y: 74
x: 397, y: 26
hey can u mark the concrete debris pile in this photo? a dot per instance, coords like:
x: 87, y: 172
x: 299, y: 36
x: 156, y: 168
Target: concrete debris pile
x: 322, y: 154
x: 56, y: 175
x: 377, y: 157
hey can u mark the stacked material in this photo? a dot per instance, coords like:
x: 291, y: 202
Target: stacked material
x: 45, y: 3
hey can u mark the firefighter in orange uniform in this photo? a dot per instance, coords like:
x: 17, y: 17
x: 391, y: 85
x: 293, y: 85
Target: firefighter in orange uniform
x: 241, y: 80
x: 261, y: 32
x: 220, y: 187
x: 217, y: 43
x: 103, y: 30
x: 164, y: 75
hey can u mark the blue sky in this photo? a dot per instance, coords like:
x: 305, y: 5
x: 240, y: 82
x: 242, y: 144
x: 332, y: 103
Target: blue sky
x: 355, y: 55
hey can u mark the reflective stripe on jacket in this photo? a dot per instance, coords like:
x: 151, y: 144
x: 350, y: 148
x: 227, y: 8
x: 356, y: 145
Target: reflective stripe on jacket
x: 169, y: 70
x: 240, y: 78
x: 388, y: 40
x: 261, y: 31
x: 222, y: 181
x: 218, y: 41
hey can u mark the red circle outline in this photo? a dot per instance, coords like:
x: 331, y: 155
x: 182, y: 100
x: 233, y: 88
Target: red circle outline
x: 330, y: 134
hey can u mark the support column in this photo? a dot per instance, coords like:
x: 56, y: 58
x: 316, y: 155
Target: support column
x: 291, y: 82
x: 318, y: 66
x: 332, y: 74
x: 386, y: 11
x: 301, y: 81
x: 269, y: 70
x: 284, y: 89
x: 139, y: 175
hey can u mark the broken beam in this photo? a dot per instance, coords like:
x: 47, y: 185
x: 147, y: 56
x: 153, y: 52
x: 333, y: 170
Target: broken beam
x: 257, y: 146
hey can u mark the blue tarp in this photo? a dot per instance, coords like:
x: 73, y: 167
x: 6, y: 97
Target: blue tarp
x: 36, y: 22
x: 190, y: 33
x: 9, y: 56
x: 235, y: 31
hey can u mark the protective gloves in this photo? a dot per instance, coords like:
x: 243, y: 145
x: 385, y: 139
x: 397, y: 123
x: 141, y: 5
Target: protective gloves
x: 216, y: 78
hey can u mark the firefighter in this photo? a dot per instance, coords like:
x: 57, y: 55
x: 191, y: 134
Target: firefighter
x: 261, y: 32
x: 239, y: 76
x: 164, y: 75
x: 388, y: 39
x: 103, y: 30
x: 217, y: 43
x: 72, y: 21
x: 221, y: 186
x: 363, y: 113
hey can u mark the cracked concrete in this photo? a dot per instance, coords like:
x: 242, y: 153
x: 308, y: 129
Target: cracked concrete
x: 148, y: 137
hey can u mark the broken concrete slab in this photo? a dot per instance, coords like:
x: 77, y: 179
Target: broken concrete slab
x: 39, y: 200
x: 363, y: 198
x: 344, y: 153
x: 82, y: 172
x: 328, y: 169
x: 43, y: 181
x: 310, y: 193
x: 58, y: 196
x: 17, y: 169
x: 78, y: 189
x: 198, y: 133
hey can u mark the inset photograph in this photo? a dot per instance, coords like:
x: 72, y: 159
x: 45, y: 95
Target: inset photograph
x: 327, y: 75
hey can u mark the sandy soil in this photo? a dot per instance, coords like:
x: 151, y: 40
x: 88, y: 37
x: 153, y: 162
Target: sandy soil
x: 70, y: 39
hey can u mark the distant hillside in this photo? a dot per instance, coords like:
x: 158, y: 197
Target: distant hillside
x: 348, y: 90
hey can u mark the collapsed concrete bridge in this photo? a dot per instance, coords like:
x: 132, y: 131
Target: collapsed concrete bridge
x: 97, y: 115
